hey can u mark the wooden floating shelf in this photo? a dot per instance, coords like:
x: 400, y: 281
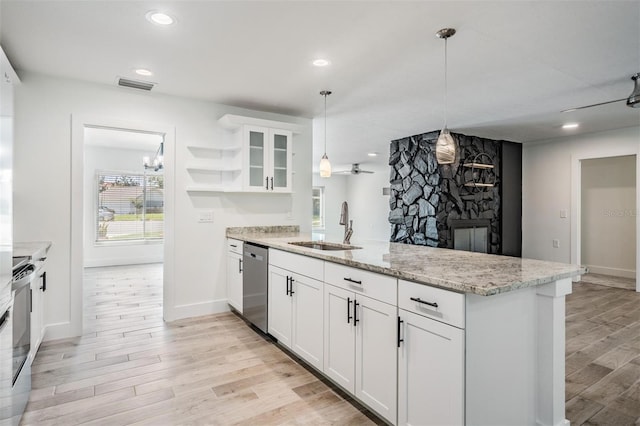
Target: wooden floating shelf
x: 213, y: 169
x: 478, y: 185
x: 478, y: 165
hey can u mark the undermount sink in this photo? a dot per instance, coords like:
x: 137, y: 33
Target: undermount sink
x: 323, y: 245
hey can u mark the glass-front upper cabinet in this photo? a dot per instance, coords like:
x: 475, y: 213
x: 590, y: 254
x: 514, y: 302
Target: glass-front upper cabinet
x: 268, y: 159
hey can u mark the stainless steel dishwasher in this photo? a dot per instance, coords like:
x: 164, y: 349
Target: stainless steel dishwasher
x: 254, y: 285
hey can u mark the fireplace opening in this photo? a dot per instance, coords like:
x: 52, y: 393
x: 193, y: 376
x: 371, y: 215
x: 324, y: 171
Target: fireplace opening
x: 471, y: 235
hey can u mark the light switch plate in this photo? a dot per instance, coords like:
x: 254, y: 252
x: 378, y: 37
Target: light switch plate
x: 205, y: 216
x: 556, y: 243
x: 563, y: 214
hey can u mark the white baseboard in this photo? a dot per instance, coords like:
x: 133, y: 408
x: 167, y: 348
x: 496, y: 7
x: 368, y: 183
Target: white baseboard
x: 61, y: 330
x: 614, y: 272
x: 198, y: 309
x: 118, y: 261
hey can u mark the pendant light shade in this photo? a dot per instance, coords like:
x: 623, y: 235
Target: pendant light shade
x: 634, y: 98
x: 325, y: 165
x: 446, y: 145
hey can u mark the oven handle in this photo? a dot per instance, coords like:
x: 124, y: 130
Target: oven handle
x: 24, y: 281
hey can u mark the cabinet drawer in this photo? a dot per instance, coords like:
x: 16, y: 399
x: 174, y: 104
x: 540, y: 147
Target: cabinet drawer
x: 234, y: 246
x: 377, y: 286
x: 450, y: 305
x: 303, y: 265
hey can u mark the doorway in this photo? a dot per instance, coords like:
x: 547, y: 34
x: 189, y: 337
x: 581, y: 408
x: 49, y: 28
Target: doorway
x: 607, y: 217
x: 119, y: 208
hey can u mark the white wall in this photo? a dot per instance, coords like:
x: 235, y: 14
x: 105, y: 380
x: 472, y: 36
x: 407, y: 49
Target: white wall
x: 549, y: 173
x: 43, y: 166
x: 368, y: 208
x: 97, y: 158
x: 335, y: 192
x: 609, y: 215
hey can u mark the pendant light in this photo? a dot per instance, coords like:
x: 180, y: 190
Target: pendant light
x: 325, y: 166
x: 445, y: 145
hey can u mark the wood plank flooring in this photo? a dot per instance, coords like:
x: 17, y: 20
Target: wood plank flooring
x: 132, y: 368
x: 602, y: 355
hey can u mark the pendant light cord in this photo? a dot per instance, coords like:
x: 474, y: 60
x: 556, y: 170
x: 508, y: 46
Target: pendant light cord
x: 325, y: 124
x: 445, y: 83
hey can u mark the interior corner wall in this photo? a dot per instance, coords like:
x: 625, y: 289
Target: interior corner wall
x: 42, y: 190
x: 608, y: 206
x: 547, y: 187
x: 99, y: 158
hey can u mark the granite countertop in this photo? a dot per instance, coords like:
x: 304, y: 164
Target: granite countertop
x: 460, y: 271
x: 30, y: 248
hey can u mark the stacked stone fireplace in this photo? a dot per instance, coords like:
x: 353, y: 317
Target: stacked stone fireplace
x: 429, y: 201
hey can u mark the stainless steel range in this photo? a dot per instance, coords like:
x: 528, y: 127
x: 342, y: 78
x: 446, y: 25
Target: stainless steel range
x: 15, y: 333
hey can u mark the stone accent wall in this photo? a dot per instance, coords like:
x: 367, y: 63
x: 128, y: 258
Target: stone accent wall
x: 426, y: 198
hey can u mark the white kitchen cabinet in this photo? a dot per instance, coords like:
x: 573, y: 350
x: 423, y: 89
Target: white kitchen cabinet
x: 234, y: 274
x: 38, y: 287
x: 361, y: 348
x: 296, y: 305
x: 267, y: 159
x: 430, y: 372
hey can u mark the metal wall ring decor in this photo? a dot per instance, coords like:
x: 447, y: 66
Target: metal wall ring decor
x: 482, y: 172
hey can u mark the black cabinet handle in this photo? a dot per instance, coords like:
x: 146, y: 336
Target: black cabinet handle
x: 233, y: 245
x: 353, y: 281
x: 266, y: 183
x: 288, y: 278
x: 272, y: 183
x: 355, y: 313
x: 291, y: 290
x: 239, y: 266
x: 349, y: 310
x: 43, y: 287
x: 399, y: 329
x: 417, y: 299
x: 30, y: 301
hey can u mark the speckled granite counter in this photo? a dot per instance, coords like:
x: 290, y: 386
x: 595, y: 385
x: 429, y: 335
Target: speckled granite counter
x: 31, y: 248
x: 460, y: 271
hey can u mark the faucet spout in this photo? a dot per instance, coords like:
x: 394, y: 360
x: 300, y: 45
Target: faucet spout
x: 348, y: 224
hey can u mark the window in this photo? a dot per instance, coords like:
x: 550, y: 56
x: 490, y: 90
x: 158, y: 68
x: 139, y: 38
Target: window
x: 130, y: 206
x: 318, y: 207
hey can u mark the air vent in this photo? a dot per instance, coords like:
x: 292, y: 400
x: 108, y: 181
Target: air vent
x: 135, y: 84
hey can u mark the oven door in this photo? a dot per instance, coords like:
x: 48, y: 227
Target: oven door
x: 21, y: 328
x: 6, y: 370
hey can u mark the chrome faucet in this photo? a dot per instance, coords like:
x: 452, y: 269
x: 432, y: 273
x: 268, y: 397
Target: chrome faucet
x: 348, y: 224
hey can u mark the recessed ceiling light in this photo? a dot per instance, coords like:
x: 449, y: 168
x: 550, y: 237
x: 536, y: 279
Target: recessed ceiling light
x: 159, y: 18
x: 372, y: 154
x: 321, y: 62
x: 144, y: 72
x: 570, y: 126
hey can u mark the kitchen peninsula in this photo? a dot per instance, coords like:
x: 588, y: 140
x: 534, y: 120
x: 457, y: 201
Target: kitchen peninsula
x: 436, y: 336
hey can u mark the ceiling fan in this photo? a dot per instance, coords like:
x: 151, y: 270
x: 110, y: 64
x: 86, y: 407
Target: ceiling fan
x: 355, y: 170
x: 633, y: 100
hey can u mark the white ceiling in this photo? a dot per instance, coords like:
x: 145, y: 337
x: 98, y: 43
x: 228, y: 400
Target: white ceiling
x: 513, y: 65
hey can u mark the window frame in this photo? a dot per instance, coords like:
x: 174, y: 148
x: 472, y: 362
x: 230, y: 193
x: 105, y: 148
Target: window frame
x: 321, y: 198
x: 144, y: 175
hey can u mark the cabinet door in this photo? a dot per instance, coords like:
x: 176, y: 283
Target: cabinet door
x: 256, y: 156
x: 307, y: 336
x: 376, y: 356
x: 279, y: 321
x: 339, y: 337
x: 430, y: 372
x: 280, y: 161
x: 234, y: 281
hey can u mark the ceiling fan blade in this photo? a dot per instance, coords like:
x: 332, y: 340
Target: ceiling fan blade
x: 365, y: 171
x: 341, y: 172
x: 593, y: 105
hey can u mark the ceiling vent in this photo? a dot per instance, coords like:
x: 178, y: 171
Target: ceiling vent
x: 135, y: 84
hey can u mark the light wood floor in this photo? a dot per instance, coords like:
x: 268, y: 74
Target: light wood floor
x: 132, y: 368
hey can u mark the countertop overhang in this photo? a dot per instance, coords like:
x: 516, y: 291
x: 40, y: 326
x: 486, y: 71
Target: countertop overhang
x: 456, y: 270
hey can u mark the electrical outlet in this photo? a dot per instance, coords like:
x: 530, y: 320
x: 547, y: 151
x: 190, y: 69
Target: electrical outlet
x: 556, y: 243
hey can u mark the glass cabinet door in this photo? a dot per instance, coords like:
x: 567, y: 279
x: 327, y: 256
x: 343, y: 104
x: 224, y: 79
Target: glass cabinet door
x: 257, y: 156
x: 281, y: 163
